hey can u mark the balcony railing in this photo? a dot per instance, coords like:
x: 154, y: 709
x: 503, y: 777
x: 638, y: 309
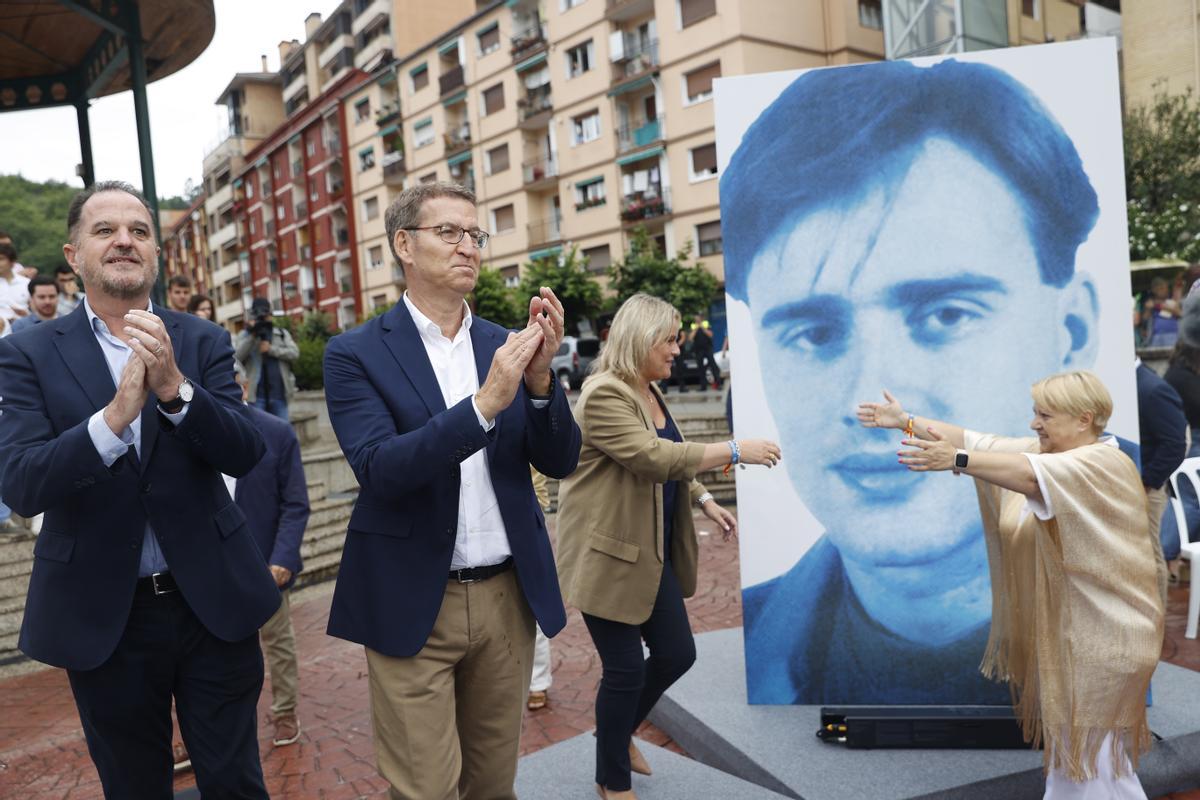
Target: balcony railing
x: 452, y: 80
x: 387, y: 113
x: 545, y: 231
x: 336, y: 186
x: 458, y: 139
x: 639, y: 58
x: 540, y: 170
x: 652, y: 203
x: 301, y: 211
x: 528, y: 42
x: 535, y: 102
x: 343, y: 237
x: 639, y: 133
x: 270, y: 229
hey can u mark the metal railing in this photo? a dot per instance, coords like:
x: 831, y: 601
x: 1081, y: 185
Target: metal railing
x: 387, y: 113
x: 654, y: 202
x: 639, y: 58
x: 457, y: 139
x: 527, y: 41
x: 535, y: 102
x: 534, y: 171
x: 639, y: 133
x: 393, y: 167
x: 452, y: 80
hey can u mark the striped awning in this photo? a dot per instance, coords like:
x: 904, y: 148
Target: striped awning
x: 651, y: 153
x: 632, y: 86
x: 460, y: 158
x: 545, y: 252
x: 531, y: 62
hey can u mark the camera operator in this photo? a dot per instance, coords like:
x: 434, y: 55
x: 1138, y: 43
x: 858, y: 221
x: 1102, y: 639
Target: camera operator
x: 268, y: 352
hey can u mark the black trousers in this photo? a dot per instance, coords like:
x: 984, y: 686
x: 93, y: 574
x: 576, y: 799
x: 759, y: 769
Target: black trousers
x: 125, y: 705
x: 631, y: 685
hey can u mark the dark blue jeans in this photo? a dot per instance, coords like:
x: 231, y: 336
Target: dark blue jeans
x: 277, y: 407
x: 1168, y: 531
x: 631, y: 685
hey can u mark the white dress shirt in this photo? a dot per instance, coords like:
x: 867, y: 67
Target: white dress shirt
x: 109, y: 445
x: 481, y: 539
x: 14, y: 292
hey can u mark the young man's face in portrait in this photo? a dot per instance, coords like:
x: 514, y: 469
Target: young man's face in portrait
x: 929, y: 288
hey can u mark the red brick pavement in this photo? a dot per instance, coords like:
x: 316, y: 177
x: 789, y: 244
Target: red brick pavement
x: 43, y: 755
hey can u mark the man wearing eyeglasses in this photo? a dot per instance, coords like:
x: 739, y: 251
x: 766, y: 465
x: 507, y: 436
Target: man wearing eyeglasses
x: 447, y: 563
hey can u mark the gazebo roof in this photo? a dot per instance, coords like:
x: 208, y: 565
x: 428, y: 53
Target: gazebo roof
x: 55, y: 52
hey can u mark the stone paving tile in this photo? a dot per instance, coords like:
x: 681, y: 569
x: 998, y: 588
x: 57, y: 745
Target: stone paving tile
x: 43, y: 755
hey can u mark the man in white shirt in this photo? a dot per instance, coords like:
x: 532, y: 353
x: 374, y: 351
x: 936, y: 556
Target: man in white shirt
x: 447, y: 563
x: 14, y: 288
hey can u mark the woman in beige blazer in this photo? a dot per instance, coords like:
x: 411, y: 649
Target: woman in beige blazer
x: 627, y: 544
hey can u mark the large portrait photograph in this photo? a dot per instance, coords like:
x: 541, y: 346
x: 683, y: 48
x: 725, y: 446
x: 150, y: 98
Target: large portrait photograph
x: 949, y: 230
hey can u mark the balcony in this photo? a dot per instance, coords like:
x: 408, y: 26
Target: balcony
x: 367, y: 56
x: 639, y: 59
x: 223, y: 236
x: 270, y: 229
x: 393, y: 168
x: 306, y: 253
x: 651, y: 204
x: 639, y: 134
x: 302, y: 211
x: 539, y: 174
x: 451, y: 80
x: 544, y: 232
x: 457, y: 140
x: 371, y: 14
x: 227, y: 273
x: 298, y: 172
x: 337, y: 184
x: 535, y: 107
x: 624, y: 10
x: 229, y: 311
x: 336, y: 45
x: 343, y: 237
x: 299, y: 84
x: 528, y: 42
x: 388, y: 112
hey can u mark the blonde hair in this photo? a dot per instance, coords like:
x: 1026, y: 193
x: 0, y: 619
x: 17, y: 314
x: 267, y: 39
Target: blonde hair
x: 1076, y: 393
x: 641, y: 322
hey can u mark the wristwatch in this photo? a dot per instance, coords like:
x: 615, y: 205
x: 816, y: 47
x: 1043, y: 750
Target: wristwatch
x: 960, y: 461
x: 186, y: 393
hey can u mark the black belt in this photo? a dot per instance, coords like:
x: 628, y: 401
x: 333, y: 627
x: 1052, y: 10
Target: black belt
x: 474, y: 574
x: 158, y: 583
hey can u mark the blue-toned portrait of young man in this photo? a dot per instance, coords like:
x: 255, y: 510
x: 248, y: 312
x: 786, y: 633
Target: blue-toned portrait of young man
x: 913, y: 228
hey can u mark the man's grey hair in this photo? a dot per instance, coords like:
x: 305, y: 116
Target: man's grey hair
x: 75, y: 211
x: 405, y: 211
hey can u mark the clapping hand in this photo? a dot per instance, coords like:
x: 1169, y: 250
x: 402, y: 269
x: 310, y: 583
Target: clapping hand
x: 882, y: 415
x: 149, y: 340
x: 546, y: 313
x: 928, y: 456
x: 509, y: 363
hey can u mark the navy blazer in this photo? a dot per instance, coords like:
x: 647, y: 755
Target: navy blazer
x: 405, y: 448
x: 53, y: 377
x: 1162, y: 427
x: 274, y: 495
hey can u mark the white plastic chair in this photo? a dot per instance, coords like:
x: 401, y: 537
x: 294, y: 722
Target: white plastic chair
x: 1189, y: 470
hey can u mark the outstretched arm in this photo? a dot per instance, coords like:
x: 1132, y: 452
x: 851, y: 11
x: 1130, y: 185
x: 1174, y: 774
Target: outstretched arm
x: 1012, y: 471
x: 891, y: 414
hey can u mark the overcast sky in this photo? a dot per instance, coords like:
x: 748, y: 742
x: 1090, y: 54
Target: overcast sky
x: 184, y: 119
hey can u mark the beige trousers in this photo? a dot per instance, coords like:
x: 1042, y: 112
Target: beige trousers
x: 447, y: 721
x: 1156, y: 501
x: 279, y: 648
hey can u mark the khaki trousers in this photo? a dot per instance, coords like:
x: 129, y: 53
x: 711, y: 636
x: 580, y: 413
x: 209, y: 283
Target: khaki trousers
x: 1156, y: 501
x: 279, y: 647
x: 447, y: 721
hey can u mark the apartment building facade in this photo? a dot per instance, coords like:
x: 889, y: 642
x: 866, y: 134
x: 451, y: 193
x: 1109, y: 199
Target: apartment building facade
x: 291, y: 203
x: 1161, y: 52
x: 185, y: 247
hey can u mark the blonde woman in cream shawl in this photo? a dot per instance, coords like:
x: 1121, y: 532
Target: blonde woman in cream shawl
x: 1077, y: 615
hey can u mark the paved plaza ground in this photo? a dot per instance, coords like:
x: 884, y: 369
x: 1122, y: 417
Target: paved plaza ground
x: 43, y: 755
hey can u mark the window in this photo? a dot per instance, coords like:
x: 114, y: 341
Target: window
x: 378, y: 301
x: 589, y: 194
x: 423, y: 133
x: 497, y: 159
x: 493, y: 99
x: 512, y: 276
x: 692, y: 11
x: 279, y: 211
x: 362, y: 110
x: 311, y: 147
x: 366, y: 158
x: 430, y: 178
x: 312, y: 191
x: 249, y: 190
x: 704, y: 162
x: 371, y: 208
x: 320, y: 277
x: 870, y: 14
x: 597, y: 259
x: 375, y: 257
x: 1029, y: 8
x: 709, y: 237
x: 585, y: 128
x: 698, y: 83
x: 580, y: 59
x: 503, y: 219
x: 489, y: 39
x: 420, y: 77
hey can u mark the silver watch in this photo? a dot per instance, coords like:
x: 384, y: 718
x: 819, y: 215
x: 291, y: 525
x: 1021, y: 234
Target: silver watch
x: 704, y: 498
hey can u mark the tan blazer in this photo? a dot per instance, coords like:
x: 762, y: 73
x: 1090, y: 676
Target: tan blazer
x: 610, y: 531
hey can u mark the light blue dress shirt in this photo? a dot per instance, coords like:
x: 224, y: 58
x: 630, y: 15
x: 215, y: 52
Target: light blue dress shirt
x: 109, y: 445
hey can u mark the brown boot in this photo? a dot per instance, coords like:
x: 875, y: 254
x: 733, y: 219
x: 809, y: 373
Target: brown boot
x: 637, y: 762
x: 287, y: 730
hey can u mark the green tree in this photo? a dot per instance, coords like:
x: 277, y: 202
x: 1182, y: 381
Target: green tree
x: 1162, y: 178
x: 312, y: 334
x: 690, y: 288
x: 35, y: 215
x: 575, y: 287
x: 496, y: 302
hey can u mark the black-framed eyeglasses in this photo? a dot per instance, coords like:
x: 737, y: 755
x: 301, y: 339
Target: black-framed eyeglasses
x: 453, y: 234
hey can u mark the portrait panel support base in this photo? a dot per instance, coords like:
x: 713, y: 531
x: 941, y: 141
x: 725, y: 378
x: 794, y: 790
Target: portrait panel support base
x: 706, y: 713
x: 922, y: 727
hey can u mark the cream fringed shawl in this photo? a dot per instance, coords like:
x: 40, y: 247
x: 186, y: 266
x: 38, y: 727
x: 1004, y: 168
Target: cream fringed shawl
x: 1077, y: 619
